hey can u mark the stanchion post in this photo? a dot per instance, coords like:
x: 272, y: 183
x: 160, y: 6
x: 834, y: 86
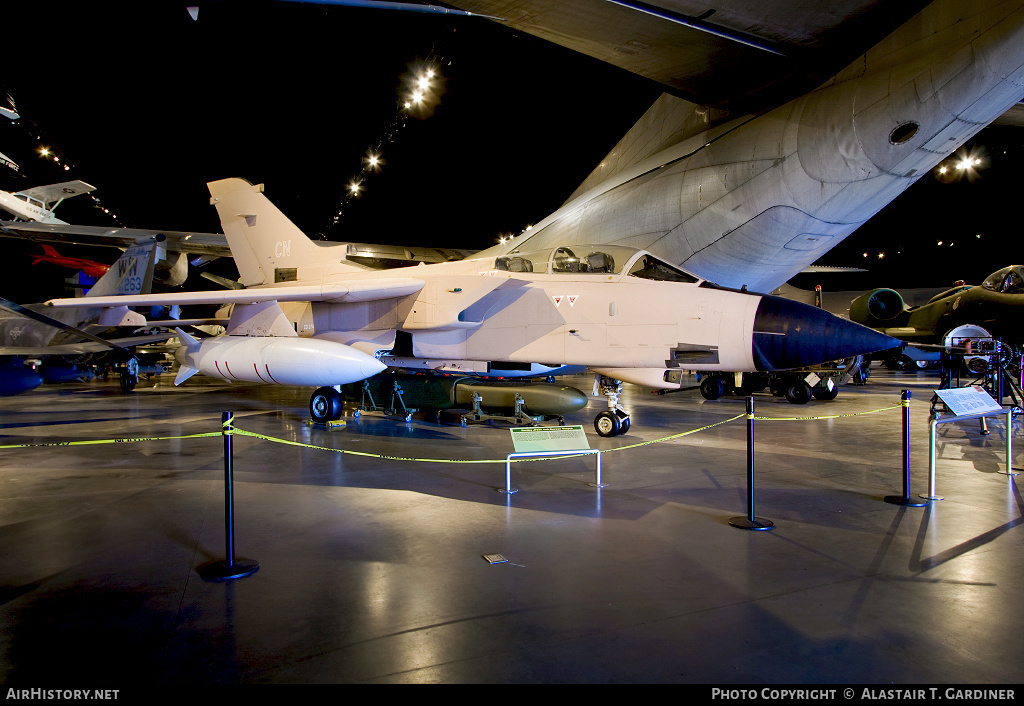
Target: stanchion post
x: 229, y: 568
x: 750, y: 522
x: 904, y: 499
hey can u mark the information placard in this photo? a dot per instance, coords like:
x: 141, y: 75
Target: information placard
x: 549, y: 439
x: 968, y: 400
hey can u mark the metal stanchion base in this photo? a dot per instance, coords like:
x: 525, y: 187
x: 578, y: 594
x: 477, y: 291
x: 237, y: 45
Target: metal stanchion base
x: 905, y: 502
x: 931, y: 497
x: 225, y: 570
x: 508, y: 491
x: 758, y: 523
x: 1008, y: 473
x: 605, y: 485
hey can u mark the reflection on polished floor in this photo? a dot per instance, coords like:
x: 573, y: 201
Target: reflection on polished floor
x: 372, y: 569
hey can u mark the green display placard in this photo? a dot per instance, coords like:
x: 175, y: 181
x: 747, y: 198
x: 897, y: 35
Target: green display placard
x: 549, y: 439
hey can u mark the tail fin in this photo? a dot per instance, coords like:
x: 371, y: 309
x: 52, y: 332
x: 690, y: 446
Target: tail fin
x: 189, y: 346
x: 49, y: 251
x: 131, y: 274
x: 266, y: 245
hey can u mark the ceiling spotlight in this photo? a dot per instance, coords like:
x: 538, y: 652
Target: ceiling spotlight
x: 354, y: 187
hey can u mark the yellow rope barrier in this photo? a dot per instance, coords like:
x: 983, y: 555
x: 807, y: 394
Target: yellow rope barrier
x: 111, y: 441
x: 830, y: 416
x: 229, y: 428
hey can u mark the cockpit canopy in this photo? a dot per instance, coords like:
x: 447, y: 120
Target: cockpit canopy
x: 1009, y: 280
x: 593, y: 259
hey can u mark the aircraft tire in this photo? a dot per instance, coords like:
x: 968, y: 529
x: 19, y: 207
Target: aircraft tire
x: 325, y: 405
x: 623, y: 421
x: 128, y: 382
x: 799, y: 392
x: 711, y: 388
x: 607, y: 424
x: 824, y: 394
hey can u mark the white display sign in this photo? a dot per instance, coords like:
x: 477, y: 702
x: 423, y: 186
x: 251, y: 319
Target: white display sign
x: 968, y: 400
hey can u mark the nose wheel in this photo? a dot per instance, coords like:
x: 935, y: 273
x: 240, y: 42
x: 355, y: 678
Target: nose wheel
x: 615, y: 420
x: 611, y: 423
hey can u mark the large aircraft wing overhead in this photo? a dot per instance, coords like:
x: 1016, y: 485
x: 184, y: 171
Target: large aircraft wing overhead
x: 731, y: 54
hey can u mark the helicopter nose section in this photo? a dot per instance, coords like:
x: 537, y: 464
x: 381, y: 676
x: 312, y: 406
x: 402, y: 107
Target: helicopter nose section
x: 790, y: 334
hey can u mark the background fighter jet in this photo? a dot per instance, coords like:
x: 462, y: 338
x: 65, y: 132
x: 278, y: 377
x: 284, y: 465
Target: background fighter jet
x: 72, y: 337
x: 992, y: 309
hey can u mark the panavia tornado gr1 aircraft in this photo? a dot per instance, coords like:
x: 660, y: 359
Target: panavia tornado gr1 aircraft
x: 309, y: 317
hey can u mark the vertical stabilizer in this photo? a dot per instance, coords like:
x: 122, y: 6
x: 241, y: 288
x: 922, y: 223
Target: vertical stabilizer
x: 266, y: 245
x: 131, y: 274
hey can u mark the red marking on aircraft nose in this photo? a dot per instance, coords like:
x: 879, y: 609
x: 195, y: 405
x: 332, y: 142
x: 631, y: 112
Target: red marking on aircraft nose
x: 254, y: 367
x: 267, y: 368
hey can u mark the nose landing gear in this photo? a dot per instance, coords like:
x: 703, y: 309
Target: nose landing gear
x: 615, y: 420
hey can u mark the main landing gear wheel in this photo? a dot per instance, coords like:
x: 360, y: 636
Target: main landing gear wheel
x: 130, y: 375
x: 128, y: 381
x: 799, y: 392
x: 823, y: 393
x: 325, y: 405
x: 711, y: 388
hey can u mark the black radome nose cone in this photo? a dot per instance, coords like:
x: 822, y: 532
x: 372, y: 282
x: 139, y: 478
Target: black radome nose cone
x: 790, y: 334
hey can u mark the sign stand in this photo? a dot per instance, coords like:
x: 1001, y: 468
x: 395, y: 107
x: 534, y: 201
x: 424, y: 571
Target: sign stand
x: 541, y: 442
x: 967, y: 403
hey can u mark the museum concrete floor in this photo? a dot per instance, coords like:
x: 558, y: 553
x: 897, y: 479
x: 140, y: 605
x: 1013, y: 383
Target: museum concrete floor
x: 372, y: 568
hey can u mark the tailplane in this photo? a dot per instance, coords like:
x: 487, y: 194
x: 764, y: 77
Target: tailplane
x: 266, y: 245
